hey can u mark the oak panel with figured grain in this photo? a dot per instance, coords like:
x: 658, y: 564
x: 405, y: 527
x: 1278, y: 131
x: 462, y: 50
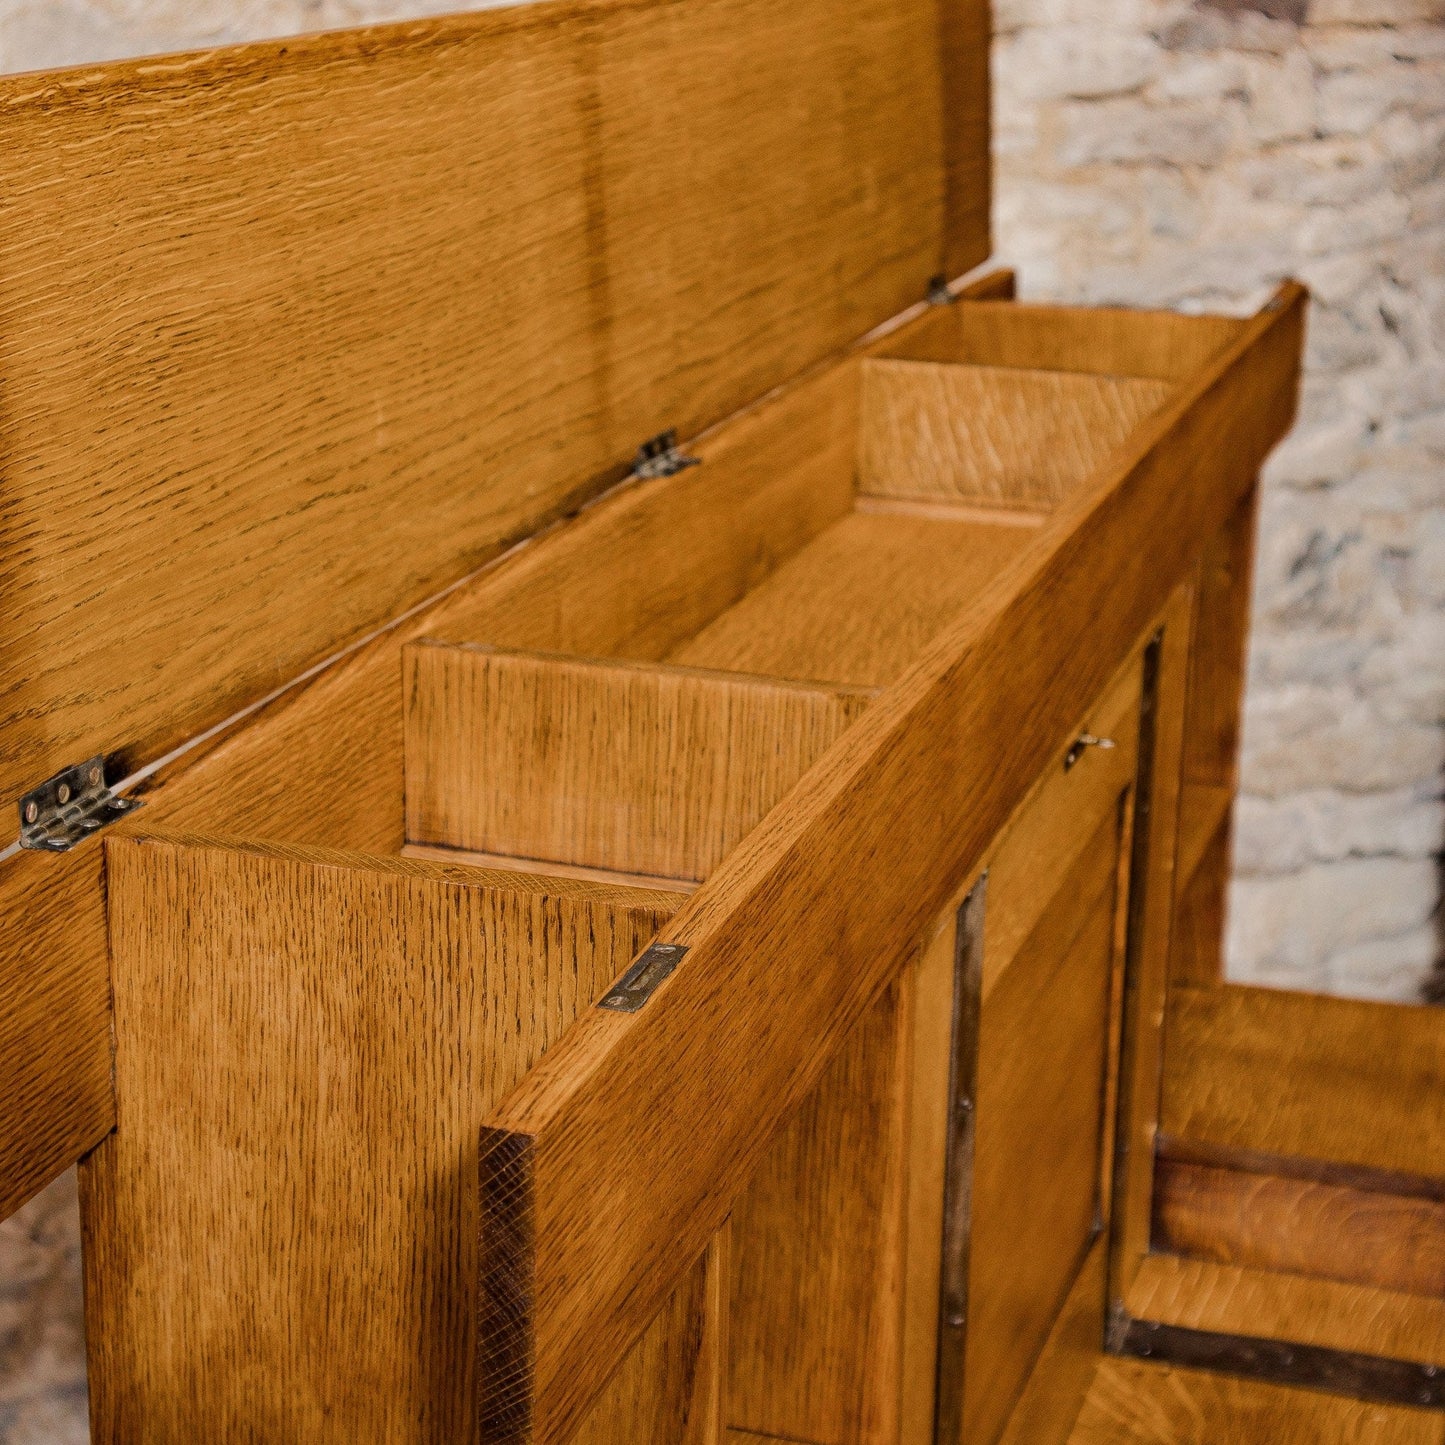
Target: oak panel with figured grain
x: 630, y: 767
x: 300, y: 331
x: 991, y: 435
x: 1131, y: 1402
x: 1259, y: 1220
x: 1305, y: 1076
x: 1037, y: 1197
x: 860, y: 601
x: 282, y: 1234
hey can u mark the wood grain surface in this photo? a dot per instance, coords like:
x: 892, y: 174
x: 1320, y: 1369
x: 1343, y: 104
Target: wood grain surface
x: 1211, y: 742
x: 819, y: 1235
x: 1040, y: 1145
x: 1304, y: 1076
x: 677, y: 552
x: 282, y: 1234
x: 1052, y: 1397
x: 1151, y: 913
x: 623, y: 1197
x: 1264, y: 1304
x: 1098, y: 340
x: 991, y: 435
x: 1301, y: 1226
x: 372, y: 303
x: 860, y: 602
x: 1131, y: 1402
x: 935, y: 979
x: 632, y: 767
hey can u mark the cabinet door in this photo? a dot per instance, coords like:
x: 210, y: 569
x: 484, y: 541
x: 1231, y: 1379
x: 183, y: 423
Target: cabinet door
x: 1041, y: 943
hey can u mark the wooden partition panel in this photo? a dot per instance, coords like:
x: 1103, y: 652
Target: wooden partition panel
x: 282, y: 1235
x: 623, y: 766
x: 992, y: 436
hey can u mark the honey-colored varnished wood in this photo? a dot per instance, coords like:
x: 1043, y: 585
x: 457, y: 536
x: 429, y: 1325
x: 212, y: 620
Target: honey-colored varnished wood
x: 1307, y: 1226
x: 669, y: 1385
x: 1304, y: 1076
x: 1211, y: 743
x: 622, y: 1197
x: 935, y: 980
x: 991, y: 435
x: 307, y: 1045
x: 1054, y: 1394
x: 1150, y: 923
x: 1101, y: 340
x: 1037, y: 1197
x: 259, y: 372
x: 859, y: 602
x: 1231, y: 1300
x: 819, y: 1238
x: 634, y: 768
x: 1055, y: 823
x: 1132, y: 1402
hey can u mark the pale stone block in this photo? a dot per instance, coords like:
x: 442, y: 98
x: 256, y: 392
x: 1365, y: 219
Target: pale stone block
x: 1297, y: 922
x: 1390, y: 970
x: 1076, y: 62
x: 1281, y: 98
x: 1100, y: 132
x: 1283, y: 835
x: 1199, y: 78
x: 1299, y: 736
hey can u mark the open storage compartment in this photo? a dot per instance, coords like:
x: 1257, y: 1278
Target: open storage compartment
x: 490, y: 820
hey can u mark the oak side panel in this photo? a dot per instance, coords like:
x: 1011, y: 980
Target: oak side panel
x: 1054, y: 1394
x: 1038, y: 1153
x: 623, y: 766
x: 818, y: 1250
x: 372, y: 303
x: 670, y: 1386
x: 991, y: 435
x: 918, y: 788
x: 1211, y: 739
x: 282, y: 1234
x: 1301, y: 1226
x: 1145, y: 1404
x: 1304, y: 1076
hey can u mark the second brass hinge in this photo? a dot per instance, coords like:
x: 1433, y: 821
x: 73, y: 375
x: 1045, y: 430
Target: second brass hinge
x: 68, y: 808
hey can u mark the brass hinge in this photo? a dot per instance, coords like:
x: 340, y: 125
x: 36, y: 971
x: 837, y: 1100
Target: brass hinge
x: 661, y: 456
x: 68, y: 808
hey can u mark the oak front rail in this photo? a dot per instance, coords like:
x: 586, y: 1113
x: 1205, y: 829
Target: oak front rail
x: 616, y: 1159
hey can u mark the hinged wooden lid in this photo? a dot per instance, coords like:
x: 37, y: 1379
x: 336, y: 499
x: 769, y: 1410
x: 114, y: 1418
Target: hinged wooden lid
x: 296, y: 333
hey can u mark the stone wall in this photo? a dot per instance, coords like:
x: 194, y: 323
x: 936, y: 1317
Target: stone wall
x: 1152, y: 152
x: 1155, y: 153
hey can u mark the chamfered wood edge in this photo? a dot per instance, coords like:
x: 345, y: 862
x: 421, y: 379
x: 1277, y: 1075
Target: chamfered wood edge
x: 1281, y: 1362
x: 573, y: 1095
